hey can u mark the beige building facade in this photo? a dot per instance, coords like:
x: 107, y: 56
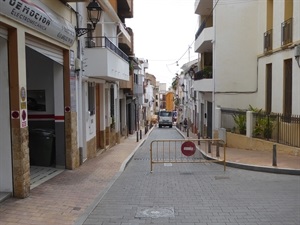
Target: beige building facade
x: 37, y: 52
x: 64, y: 92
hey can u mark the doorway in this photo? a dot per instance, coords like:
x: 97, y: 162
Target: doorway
x: 6, y: 173
x: 44, y: 78
x: 209, y: 119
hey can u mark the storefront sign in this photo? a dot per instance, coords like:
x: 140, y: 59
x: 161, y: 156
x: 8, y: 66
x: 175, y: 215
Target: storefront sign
x: 36, y: 15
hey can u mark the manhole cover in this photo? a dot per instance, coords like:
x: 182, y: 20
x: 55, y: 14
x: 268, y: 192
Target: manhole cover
x: 154, y: 212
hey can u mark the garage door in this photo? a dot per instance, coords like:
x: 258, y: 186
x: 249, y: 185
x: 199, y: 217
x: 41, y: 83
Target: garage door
x: 48, y: 50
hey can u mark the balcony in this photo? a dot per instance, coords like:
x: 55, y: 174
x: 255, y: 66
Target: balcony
x: 204, y: 37
x: 203, y: 80
x: 268, y: 41
x: 287, y: 32
x: 204, y: 85
x: 105, y: 60
x: 138, y: 89
x: 203, y: 7
x: 127, y: 84
x: 125, y: 9
x: 126, y: 40
x: 206, y: 73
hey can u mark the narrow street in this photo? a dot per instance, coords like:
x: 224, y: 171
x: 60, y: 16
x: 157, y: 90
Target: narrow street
x: 194, y: 194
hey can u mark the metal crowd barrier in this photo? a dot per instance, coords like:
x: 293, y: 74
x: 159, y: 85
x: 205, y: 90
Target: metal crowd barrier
x: 187, y: 151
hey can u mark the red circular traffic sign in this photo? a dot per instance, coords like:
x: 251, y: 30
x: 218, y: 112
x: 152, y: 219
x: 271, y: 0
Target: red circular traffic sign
x: 188, y: 148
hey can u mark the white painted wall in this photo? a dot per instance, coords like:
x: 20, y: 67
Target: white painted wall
x: 235, y: 53
x: 105, y: 64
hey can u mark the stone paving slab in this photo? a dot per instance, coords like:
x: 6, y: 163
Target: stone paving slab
x: 70, y: 197
x: 198, y: 193
x: 62, y: 199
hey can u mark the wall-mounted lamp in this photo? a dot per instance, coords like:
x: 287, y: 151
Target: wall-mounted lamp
x: 297, y: 54
x: 94, y: 14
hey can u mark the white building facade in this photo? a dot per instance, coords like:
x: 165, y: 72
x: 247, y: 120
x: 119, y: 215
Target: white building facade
x: 248, y: 55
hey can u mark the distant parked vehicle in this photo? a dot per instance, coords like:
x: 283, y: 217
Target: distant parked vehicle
x: 165, y: 118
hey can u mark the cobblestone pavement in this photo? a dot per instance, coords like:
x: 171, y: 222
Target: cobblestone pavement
x: 195, y: 194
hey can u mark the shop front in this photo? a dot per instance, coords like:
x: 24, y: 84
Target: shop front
x: 37, y: 89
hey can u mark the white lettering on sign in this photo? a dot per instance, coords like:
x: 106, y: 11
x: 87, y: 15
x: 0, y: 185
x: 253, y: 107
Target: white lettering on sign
x: 188, y: 148
x: 36, y: 15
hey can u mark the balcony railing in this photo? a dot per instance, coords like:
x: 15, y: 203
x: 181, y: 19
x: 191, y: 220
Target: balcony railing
x: 206, y: 73
x: 200, y: 29
x: 268, y: 40
x: 104, y: 42
x: 287, y: 32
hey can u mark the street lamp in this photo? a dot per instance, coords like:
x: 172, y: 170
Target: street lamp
x: 94, y: 13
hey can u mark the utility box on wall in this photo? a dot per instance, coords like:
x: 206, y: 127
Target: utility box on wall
x: 297, y: 51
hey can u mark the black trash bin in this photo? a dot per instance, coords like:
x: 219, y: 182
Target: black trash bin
x: 41, y: 147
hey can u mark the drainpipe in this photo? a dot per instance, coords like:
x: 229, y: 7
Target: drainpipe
x: 80, y: 120
x: 214, y: 73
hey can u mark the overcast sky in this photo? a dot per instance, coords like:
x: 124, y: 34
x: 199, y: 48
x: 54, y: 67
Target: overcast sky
x: 163, y: 31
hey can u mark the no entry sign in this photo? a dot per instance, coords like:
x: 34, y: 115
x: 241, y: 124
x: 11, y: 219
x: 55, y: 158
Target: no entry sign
x: 188, y: 148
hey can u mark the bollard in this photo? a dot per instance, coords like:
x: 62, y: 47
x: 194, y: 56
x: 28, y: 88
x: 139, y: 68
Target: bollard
x: 141, y: 134
x: 199, y: 138
x: 209, y: 147
x: 187, y: 132
x: 146, y: 129
x: 137, y: 136
x: 218, y: 150
x: 274, y: 156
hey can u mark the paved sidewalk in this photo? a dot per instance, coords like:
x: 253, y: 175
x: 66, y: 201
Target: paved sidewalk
x: 66, y: 197
x: 257, y: 160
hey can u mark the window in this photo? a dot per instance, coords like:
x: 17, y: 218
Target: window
x: 268, y: 88
x: 91, y: 98
x: 112, y: 101
x: 287, y: 25
x: 287, y: 88
x: 165, y: 113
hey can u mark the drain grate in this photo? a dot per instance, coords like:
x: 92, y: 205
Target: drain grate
x: 154, y: 212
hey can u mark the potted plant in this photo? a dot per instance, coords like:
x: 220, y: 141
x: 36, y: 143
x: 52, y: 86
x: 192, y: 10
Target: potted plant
x: 240, y: 121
